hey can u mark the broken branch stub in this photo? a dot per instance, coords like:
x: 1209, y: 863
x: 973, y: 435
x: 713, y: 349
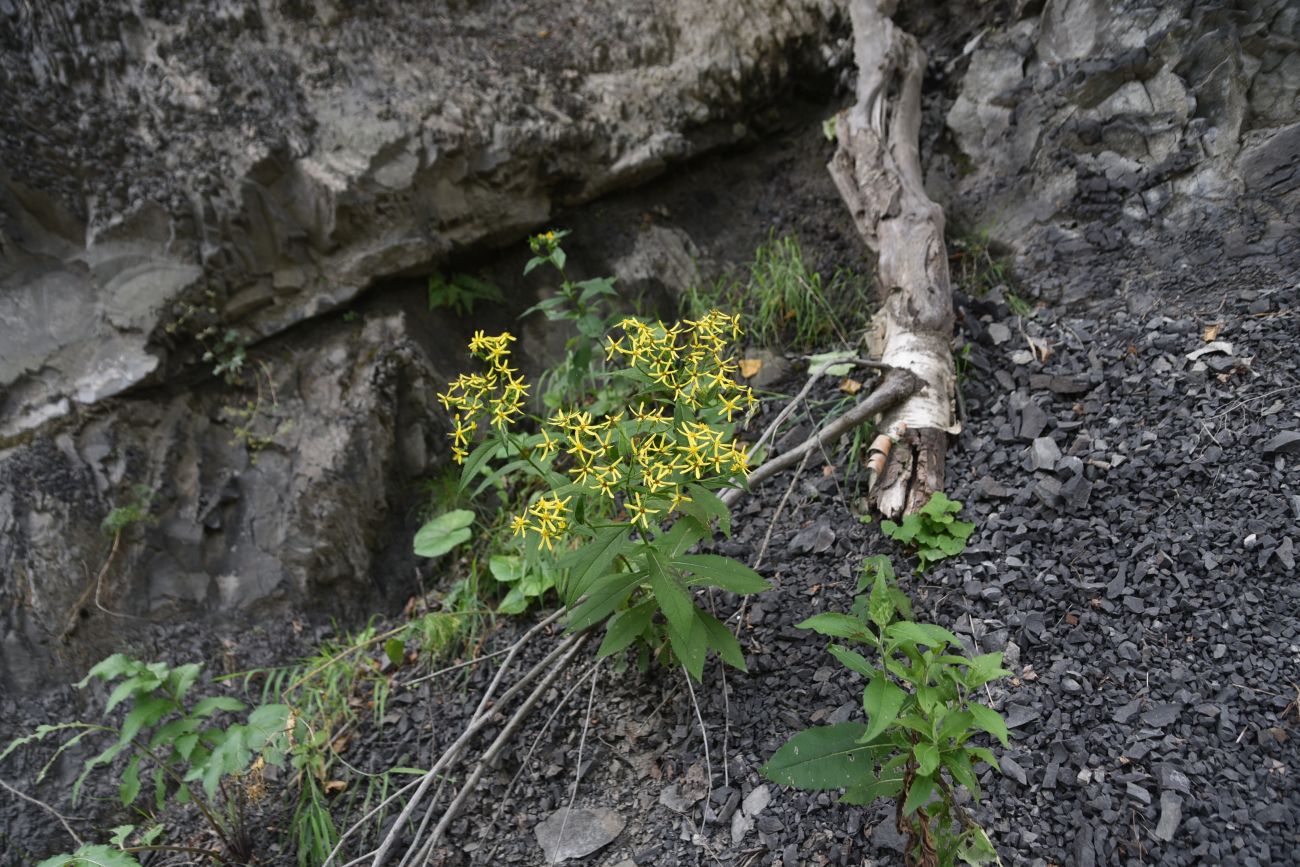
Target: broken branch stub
x: 877, y: 170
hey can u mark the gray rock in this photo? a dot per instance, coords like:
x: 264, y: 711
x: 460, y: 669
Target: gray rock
x: 773, y: 367
x: 813, y: 539
x: 1172, y: 779
x: 1012, y: 769
x: 756, y: 801
x: 1171, y: 815
x: 584, y: 829
x: 1033, y: 421
x: 999, y: 333
x: 296, y: 165
x: 1043, y: 454
x: 1162, y: 715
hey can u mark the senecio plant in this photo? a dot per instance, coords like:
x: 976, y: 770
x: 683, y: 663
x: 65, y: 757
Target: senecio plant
x: 921, y: 717
x: 618, y: 501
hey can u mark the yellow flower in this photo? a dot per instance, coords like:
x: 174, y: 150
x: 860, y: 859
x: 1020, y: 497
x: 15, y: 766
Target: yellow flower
x: 548, y: 446
x: 637, y: 511
x: 518, y: 524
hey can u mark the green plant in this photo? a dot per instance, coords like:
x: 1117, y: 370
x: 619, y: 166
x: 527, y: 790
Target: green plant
x: 174, y: 738
x: 135, y: 511
x: 784, y: 301
x: 603, y: 492
x: 459, y: 292
x: 586, y: 305
x: 1018, y: 305
x: 934, y: 530
x: 921, y: 717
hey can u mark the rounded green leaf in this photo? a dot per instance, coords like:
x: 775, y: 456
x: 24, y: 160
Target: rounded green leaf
x: 443, y: 533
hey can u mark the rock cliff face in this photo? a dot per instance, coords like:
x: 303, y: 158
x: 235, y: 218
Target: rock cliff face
x: 1169, y: 130
x: 166, y: 168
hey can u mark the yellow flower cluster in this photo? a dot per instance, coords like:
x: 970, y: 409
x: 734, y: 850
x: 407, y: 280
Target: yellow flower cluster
x: 548, y: 518
x: 687, y: 359
x: 496, y: 395
x: 672, y: 435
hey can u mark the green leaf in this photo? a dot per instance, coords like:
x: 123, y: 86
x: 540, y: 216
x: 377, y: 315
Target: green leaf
x: 836, y: 625
x: 724, y: 572
x: 691, y: 646
x: 927, y: 758
x: 853, y: 661
x: 443, y: 533
x: 985, y: 755
x: 868, y: 793
x: 592, y: 560
x: 395, y: 650
x: 877, y: 564
x: 159, y: 789
x: 958, y: 764
x: 824, y: 757
x: 506, y: 568
x: 96, y: 855
x: 516, y: 602
x: 213, y: 703
x: 114, y: 666
x: 684, y: 533
x: 712, y: 505
x: 474, y: 464
x: 918, y: 794
x: 955, y: 724
x: 922, y: 633
x: 673, y: 599
x: 836, y: 364
x: 625, y: 626
x: 983, y: 669
x: 605, y: 596
x: 528, y: 268
x: 881, y: 607
x: 119, y: 834
x: 989, y: 720
x: 882, y: 700
x: 130, y: 787
x: 721, y: 640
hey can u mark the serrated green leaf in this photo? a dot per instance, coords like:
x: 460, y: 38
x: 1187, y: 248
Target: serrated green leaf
x: 882, y: 700
x: 918, y: 794
x: 836, y: 625
x: 443, y: 533
x: 985, y: 755
x: 107, y: 669
x: 985, y: 668
x: 824, y: 757
x: 130, y: 787
x: 213, y: 703
x: 853, y: 661
x: 989, y: 720
x: 881, y: 607
x: 958, y: 764
x: 922, y: 633
x: 927, y: 758
x: 118, y: 835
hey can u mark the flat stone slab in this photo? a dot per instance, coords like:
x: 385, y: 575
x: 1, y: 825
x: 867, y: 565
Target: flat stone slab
x: 586, y: 830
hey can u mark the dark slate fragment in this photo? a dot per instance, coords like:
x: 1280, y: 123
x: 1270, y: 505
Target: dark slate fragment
x: 1033, y: 421
x: 1172, y: 779
x: 1285, y: 442
x: 1171, y: 815
x: 1162, y: 715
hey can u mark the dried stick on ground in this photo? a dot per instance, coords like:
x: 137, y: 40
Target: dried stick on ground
x: 877, y: 169
x: 894, y: 387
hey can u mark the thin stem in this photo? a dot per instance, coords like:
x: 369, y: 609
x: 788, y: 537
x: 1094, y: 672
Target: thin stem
x: 63, y: 820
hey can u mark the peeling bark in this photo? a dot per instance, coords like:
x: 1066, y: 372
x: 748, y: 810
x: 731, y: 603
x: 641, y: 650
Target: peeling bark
x: 877, y: 169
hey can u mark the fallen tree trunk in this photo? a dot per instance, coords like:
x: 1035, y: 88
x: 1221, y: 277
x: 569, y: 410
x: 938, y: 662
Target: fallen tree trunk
x: 877, y: 169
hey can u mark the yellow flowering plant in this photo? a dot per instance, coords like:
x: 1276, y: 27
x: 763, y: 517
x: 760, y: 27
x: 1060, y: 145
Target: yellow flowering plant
x: 615, y: 503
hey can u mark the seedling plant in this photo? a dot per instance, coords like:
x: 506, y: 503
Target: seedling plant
x: 915, y: 747
x: 933, y: 531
